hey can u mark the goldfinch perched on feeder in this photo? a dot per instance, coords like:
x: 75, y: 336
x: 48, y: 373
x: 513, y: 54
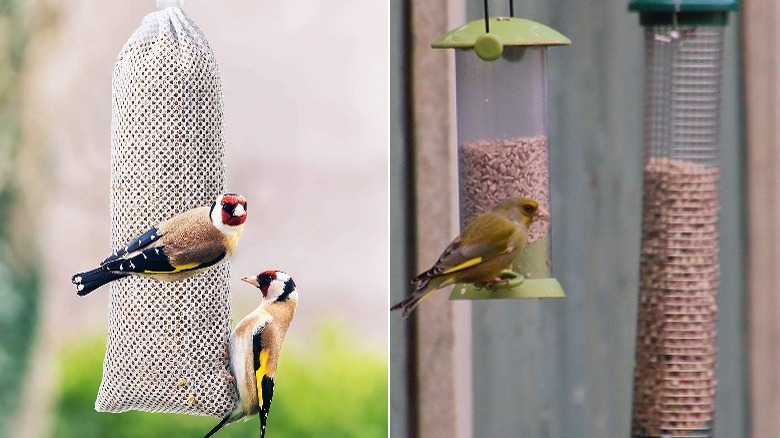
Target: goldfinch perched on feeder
x: 255, y: 345
x: 486, y: 247
x: 177, y: 248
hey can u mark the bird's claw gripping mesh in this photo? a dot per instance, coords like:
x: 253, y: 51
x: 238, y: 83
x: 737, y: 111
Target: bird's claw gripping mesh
x: 674, y: 378
x: 165, y: 340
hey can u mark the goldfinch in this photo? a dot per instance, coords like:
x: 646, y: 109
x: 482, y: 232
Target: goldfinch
x: 486, y: 247
x: 177, y: 248
x: 255, y: 345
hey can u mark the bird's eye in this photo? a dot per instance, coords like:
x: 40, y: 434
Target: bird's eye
x: 528, y: 208
x: 266, y: 279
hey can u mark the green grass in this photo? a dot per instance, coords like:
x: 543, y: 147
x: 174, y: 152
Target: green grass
x: 333, y: 388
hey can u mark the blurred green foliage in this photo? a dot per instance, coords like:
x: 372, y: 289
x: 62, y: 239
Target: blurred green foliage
x: 19, y: 293
x: 333, y: 388
x: 20, y: 279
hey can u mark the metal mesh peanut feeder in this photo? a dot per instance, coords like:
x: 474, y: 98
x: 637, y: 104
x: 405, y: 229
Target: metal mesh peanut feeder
x: 501, y: 91
x: 674, y: 377
x: 166, y: 340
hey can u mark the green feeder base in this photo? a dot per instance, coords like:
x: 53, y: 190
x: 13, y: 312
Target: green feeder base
x: 517, y: 287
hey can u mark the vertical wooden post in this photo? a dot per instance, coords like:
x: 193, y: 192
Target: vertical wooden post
x: 762, y: 103
x: 433, y: 153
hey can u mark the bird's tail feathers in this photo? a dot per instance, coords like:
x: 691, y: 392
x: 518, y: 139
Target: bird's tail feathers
x: 421, y: 281
x: 423, y: 289
x: 88, y: 281
x: 229, y: 418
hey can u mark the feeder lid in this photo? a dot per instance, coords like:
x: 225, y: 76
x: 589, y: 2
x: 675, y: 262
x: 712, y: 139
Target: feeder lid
x: 504, y: 31
x: 683, y: 5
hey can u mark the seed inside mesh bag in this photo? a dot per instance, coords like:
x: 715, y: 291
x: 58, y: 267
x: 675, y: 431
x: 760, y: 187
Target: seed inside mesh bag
x: 167, y: 156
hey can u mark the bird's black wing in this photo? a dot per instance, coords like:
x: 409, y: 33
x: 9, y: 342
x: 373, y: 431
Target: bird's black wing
x: 155, y: 260
x: 265, y: 383
x: 134, y: 245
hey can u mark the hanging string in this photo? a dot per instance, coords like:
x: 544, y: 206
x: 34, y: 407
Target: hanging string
x: 487, y: 23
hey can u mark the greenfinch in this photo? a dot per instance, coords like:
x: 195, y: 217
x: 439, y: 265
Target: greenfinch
x: 486, y: 247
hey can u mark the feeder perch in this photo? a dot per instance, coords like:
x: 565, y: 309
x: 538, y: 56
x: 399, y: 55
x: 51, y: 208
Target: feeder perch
x: 166, y: 339
x: 674, y: 375
x: 501, y: 91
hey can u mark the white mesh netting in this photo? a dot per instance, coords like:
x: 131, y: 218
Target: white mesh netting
x: 165, y: 340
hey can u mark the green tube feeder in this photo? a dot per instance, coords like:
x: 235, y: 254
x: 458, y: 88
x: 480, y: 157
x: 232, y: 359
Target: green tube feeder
x: 501, y: 89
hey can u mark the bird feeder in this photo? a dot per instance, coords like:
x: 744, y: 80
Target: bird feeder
x: 674, y: 377
x: 501, y: 91
x: 166, y: 341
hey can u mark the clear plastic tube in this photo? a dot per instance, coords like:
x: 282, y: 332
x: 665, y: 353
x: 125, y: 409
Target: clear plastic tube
x: 502, y: 136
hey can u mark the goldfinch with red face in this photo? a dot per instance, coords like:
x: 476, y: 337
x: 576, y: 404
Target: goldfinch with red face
x: 486, y: 247
x: 255, y: 345
x: 177, y: 248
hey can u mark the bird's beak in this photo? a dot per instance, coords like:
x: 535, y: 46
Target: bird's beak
x: 239, y: 211
x: 542, y: 215
x: 251, y: 280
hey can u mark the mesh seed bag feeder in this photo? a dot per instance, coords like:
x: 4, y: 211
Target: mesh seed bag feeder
x: 166, y: 340
x: 674, y: 376
x: 501, y: 92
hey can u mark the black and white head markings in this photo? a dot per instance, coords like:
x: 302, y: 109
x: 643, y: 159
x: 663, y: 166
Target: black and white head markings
x: 275, y: 285
x: 228, y: 211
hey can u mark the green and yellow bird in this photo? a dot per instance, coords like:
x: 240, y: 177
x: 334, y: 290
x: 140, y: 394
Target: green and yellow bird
x: 486, y: 247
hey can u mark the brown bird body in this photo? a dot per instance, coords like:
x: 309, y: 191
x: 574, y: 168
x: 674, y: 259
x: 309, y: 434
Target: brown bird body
x: 255, y: 345
x: 487, y: 246
x: 176, y: 248
x: 190, y: 238
x: 275, y: 319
